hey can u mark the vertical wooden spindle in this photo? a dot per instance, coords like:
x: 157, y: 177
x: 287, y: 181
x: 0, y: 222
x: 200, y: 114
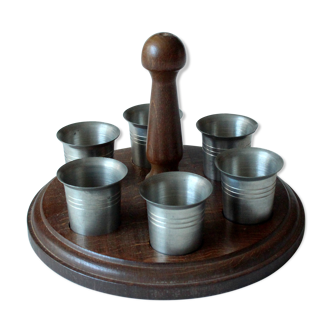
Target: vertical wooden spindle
x: 164, y: 55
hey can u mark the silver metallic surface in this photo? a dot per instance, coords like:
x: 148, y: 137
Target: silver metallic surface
x: 88, y: 139
x: 93, y: 194
x: 138, y: 118
x: 248, y: 178
x: 221, y: 132
x: 175, y: 207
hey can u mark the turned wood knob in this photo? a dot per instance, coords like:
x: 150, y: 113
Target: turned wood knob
x: 164, y: 55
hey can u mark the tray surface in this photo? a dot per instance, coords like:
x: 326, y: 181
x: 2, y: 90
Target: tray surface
x: 123, y: 263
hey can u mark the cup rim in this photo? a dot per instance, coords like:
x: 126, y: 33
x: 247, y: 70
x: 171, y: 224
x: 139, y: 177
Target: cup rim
x: 199, y: 124
x: 159, y: 177
x: 127, y: 112
x: 58, y: 134
x: 235, y: 152
x: 98, y: 161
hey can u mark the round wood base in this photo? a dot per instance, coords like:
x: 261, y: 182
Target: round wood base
x: 123, y: 263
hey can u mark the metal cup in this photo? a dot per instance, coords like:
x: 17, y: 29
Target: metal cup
x: 138, y: 118
x: 221, y: 132
x: 93, y: 193
x: 175, y: 207
x: 88, y: 139
x: 248, y: 178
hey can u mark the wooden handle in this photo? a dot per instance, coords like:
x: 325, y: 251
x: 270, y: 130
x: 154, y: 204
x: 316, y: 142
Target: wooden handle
x: 164, y: 55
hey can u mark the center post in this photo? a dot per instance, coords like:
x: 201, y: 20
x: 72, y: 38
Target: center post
x: 164, y: 55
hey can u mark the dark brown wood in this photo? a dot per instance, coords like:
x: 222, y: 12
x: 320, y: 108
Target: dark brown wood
x: 123, y: 263
x: 164, y: 55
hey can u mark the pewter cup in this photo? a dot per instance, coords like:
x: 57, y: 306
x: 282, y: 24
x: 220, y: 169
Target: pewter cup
x: 221, y: 132
x: 175, y: 207
x: 93, y: 194
x: 88, y: 139
x: 138, y: 118
x: 248, y: 178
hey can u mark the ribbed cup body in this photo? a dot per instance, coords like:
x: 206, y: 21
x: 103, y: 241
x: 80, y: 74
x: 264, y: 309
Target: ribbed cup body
x: 72, y: 152
x: 176, y: 231
x: 94, y: 212
x: 138, y: 136
x: 138, y: 118
x: 175, y: 208
x: 248, y: 202
x: 93, y: 194
x: 248, y: 179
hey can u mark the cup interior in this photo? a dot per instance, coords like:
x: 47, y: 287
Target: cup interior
x: 88, y: 133
x: 176, y: 189
x: 93, y: 172
x: 227, y: 125
x: 249, y: 162
x: 138, y: 115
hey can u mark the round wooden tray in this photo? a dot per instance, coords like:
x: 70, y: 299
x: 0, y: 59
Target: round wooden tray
x: 123, y: 263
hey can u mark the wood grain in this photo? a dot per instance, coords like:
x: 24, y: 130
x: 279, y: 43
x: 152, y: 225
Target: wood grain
x: 123, y: 263
x: 164, y: 55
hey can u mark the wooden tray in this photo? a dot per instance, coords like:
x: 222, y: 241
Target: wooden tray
x: 123, y: 263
